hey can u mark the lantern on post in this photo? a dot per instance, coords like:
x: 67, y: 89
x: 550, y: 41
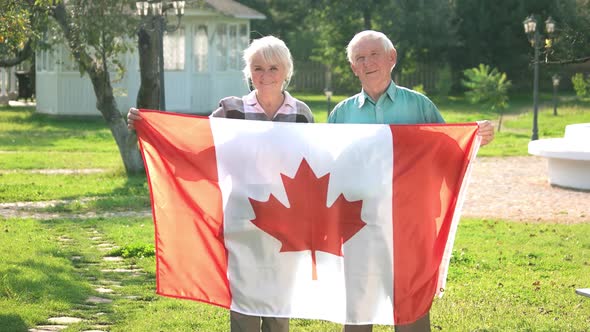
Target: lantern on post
x: 535, y: 38
x: 555, y: 80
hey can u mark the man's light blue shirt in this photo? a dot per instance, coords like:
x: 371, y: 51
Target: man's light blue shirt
x: 398, y: 105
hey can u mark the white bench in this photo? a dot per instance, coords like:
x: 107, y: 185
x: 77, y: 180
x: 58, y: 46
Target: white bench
x: 583, y: 291
x: 568, y: 157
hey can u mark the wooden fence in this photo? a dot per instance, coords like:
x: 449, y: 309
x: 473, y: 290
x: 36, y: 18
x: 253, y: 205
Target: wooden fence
x: 425, y: 75
x: 315, y: 77
x: 309, y: 77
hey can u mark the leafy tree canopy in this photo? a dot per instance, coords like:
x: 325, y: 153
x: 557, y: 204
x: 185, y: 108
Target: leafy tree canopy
x: 22, y: 23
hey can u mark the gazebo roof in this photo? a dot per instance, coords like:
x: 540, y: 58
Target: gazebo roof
x: 226, y: 7
x: 232, y: 8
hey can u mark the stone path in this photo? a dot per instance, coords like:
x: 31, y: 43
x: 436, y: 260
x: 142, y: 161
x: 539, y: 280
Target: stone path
x: 55, y: 171
x: 106, y: 288
x: 35, y: 210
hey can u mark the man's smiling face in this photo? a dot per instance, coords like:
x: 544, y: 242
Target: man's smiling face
x: 372, y: 64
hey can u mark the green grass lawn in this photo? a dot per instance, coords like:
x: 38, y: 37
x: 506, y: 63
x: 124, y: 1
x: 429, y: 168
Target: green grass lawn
x: 35, y: 141
x: 31, y: 141
x: 504, y: 276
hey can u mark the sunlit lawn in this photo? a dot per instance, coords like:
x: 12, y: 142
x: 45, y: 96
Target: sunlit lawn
x: 30, y: 141
x: 504, y: 276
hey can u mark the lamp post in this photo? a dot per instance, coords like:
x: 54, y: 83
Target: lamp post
x: 328, y: 94
x: 328, y: 90
x: 555, y: 80
x: 157, y: 10
x: 530, y: 28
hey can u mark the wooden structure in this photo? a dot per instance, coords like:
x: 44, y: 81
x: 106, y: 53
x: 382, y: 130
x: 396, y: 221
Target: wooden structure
x: 202, y: 64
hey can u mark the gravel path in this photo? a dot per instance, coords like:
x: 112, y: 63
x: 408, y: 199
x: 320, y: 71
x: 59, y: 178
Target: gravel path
x: 511, y: 188
x: 516, y: 188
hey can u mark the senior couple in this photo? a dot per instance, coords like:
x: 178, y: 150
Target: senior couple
x: 372, y: 56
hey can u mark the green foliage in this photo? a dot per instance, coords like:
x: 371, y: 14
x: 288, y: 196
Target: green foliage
x: 487, y: 86
x: 422, y: 31
x: 22, y: 21
x: 573, y: 38
x: 462, y: 33
x: 14, y: 28
x: 137, y: 250
x: 102, y: 30
x: 581, y: 85
x: 419, y: 88
x: 444, y: 81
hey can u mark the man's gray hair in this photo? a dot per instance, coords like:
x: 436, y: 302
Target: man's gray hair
x: 272, y: 50
x: 372, y: 35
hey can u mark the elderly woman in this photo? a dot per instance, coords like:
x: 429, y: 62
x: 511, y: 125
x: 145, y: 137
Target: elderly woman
x: 268, y: 68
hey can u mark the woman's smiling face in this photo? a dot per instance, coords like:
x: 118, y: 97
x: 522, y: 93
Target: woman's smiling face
x: 267, y: 77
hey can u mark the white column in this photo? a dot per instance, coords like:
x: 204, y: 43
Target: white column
x: 13, y: 92
x: 3, y: 86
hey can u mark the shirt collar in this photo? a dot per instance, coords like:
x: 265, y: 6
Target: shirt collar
x: 390, y: 92
x: 289, y: 100
x: 250, y: 99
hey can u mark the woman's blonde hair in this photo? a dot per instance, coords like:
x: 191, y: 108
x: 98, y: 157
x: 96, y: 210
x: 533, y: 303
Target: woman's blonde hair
x: 272, y: 50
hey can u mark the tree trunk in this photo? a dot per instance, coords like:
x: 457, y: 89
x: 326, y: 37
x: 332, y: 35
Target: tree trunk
x: 105, y: 100
x: 148, y: 95
x: 107, y: 105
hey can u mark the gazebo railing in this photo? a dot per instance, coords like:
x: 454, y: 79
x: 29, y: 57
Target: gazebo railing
x: 8, y: 85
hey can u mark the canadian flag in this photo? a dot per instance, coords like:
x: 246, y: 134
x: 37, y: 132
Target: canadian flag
x: 348, y: 223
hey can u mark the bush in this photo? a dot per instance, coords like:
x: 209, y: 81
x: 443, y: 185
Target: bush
x: 444, y: 83
x: 581, y: 86
x: 419, y: 88
x: 138, y: 250
x: 487, y: 86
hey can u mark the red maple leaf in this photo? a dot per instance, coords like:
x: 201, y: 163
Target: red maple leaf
x: 308, y: 224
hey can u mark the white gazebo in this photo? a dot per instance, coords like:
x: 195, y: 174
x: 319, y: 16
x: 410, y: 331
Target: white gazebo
x: 202, y: 64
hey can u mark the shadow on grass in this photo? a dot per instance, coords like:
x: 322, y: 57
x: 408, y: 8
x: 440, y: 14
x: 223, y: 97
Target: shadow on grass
x: 29, y: 116
x: 12, y: 323
x: 20, y: 138
x: 34, y: 281
x: 44, y: 130
x: 132, y: 196
x: 134, y: 186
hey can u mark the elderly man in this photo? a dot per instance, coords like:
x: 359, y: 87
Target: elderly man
x: 372, y: 57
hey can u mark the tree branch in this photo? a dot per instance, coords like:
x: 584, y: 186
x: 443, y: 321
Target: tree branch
x: 570, y: 61
x: 71, y: 35
x: 21, y: 56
